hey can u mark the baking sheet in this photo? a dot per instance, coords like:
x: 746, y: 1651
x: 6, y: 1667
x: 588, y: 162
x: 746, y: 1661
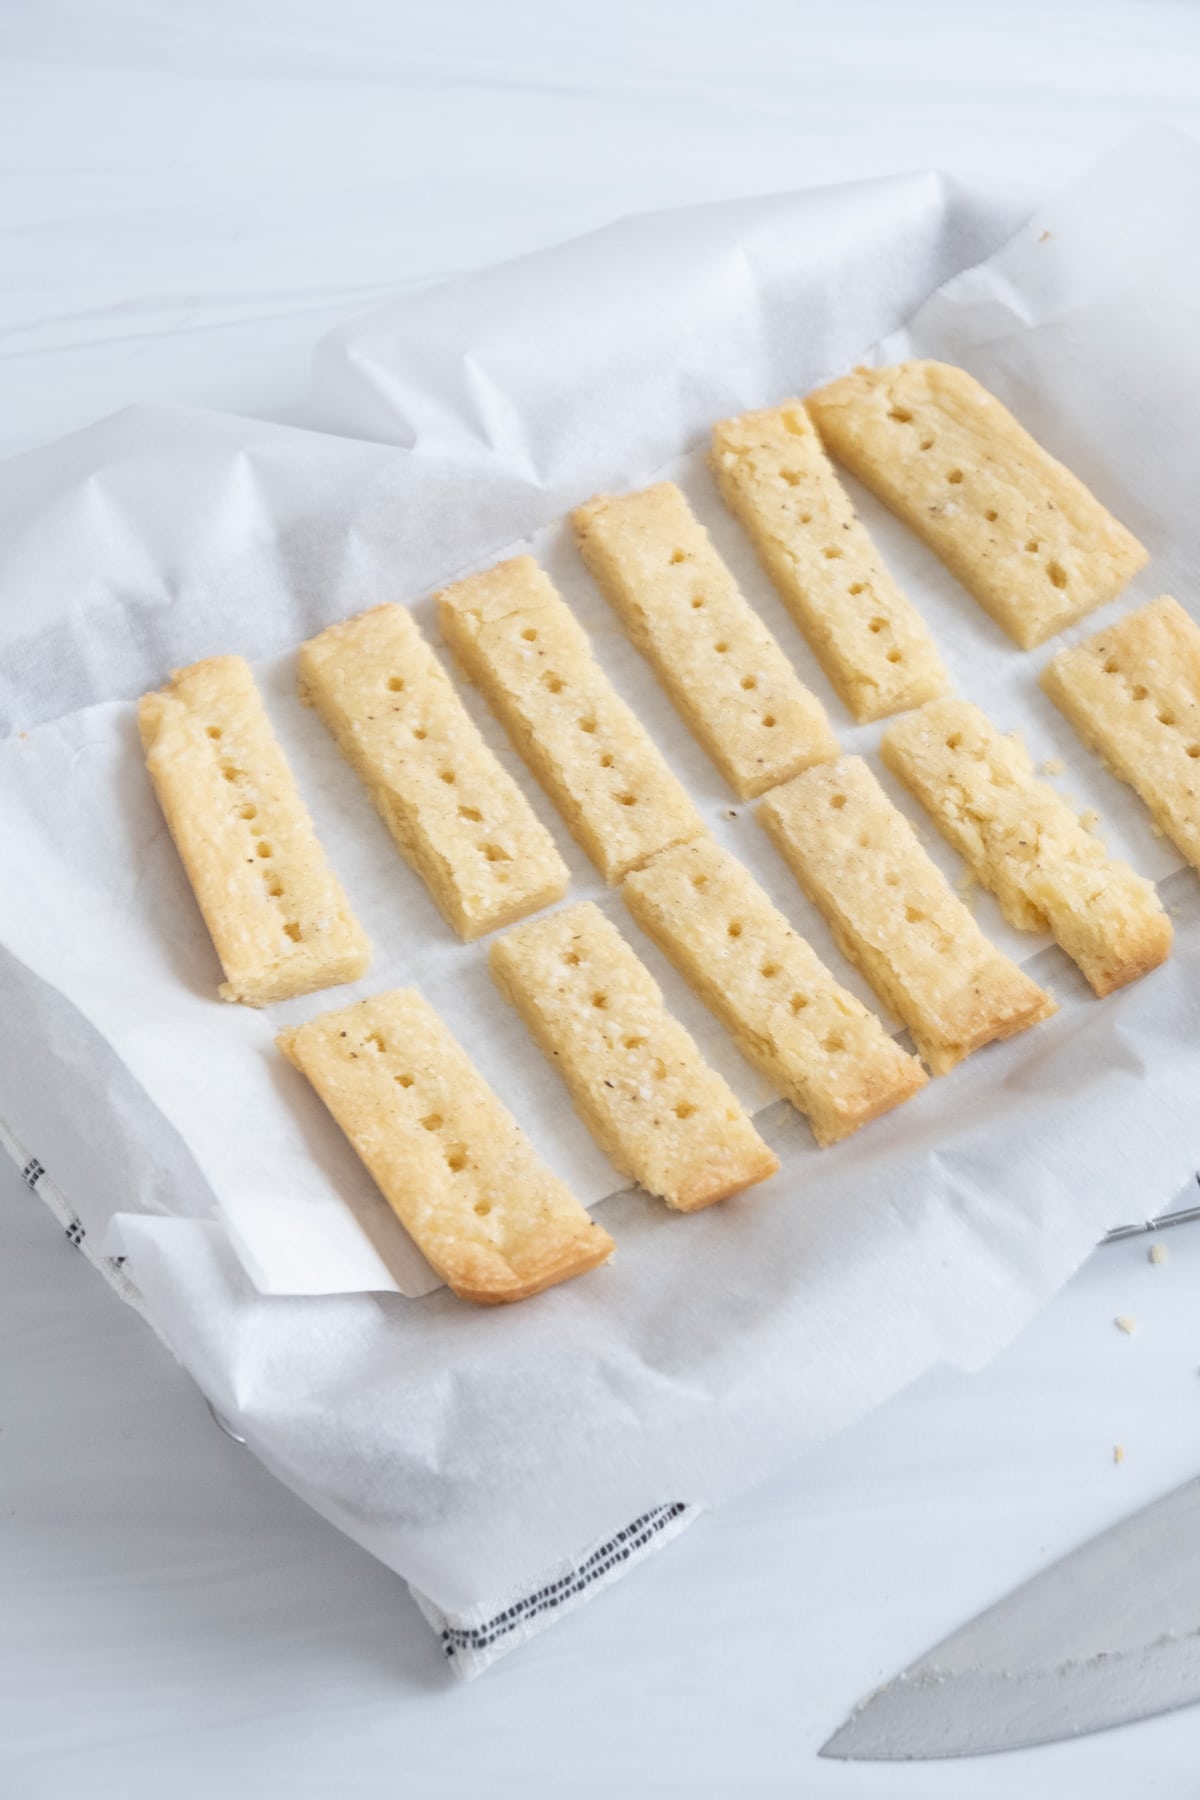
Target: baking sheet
x: 713, y: 1343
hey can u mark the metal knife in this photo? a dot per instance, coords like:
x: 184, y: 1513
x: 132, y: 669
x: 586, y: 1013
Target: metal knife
x: 1109, y: 1634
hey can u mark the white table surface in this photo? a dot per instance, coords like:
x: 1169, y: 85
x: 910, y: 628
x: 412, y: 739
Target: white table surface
x: 193, y: 193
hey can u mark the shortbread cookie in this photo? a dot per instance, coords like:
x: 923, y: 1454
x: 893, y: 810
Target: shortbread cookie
x: 868, y: 637
x: 892, y: 912
x: 276, y: 912
x: 724, y: 671
x: 1133, y: 693
x: 1022, y: 534
x: 521, y: 644
x: 638, y: 1081
x: 816, y: 1042
x: 450, y: 1160
x: 458, y: 818
x: 1026, y: 845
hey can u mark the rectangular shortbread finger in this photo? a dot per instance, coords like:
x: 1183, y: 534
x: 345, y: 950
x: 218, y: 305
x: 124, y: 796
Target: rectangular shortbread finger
x: 521, y: 644
x: 868, y: 636
x: 1133, y: 693
x: 637, y: 1079
x: 1022, y: 534
x: 277, y: 915
x: 450, y: 1160
x: 457, y: 817
x: 1026, y: 845
x: 655, y: 563
x: 817, y: 1043
x: 893, y: 913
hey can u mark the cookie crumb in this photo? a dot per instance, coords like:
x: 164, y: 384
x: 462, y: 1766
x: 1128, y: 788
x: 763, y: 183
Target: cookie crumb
x: 1090, y: 819
x: 1124, y: 1322
x: 1118, y: 1453
x: 1158, y: 1253
x: 1053, y: 765
x: 1045, y: 236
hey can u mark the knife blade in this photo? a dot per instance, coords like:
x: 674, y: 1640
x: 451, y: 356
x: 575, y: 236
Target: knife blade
x: 1109, y: 1634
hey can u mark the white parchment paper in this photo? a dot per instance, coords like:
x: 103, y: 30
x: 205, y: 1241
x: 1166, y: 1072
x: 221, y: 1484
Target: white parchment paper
x: 469, y: 1448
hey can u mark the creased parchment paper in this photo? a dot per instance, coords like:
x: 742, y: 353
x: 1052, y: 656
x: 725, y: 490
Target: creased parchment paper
x: 467, y: 1448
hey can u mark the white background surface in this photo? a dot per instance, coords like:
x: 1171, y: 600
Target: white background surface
x: 192, y: 195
